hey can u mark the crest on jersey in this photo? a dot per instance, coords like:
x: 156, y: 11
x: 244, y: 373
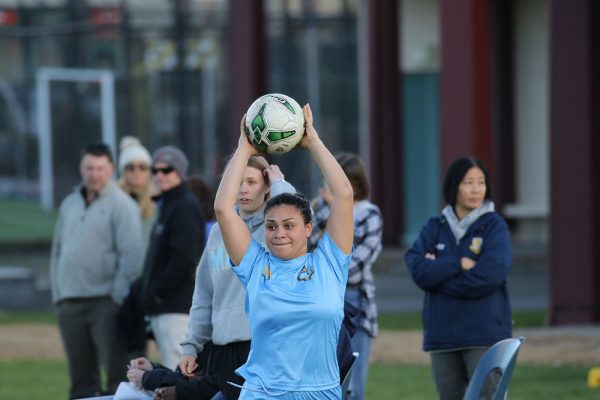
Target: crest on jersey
x: 267, y: 272
x: 306, y: 273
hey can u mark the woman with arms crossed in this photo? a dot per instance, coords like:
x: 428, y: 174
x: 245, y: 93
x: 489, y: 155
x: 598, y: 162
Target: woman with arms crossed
x: 461, y: 260
x: 294, y: 299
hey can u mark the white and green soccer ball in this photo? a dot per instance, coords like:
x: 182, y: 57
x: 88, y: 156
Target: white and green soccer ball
x: 275, y: 123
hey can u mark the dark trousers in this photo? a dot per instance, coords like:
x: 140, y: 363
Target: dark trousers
x: 452, y: 371
x: 225, y: 359
x: 88, y: 332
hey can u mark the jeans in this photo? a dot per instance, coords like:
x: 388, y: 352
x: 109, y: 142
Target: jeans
x: 361, y: 343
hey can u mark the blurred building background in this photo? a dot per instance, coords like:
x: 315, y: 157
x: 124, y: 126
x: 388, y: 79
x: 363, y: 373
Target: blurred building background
x: 408, y: 84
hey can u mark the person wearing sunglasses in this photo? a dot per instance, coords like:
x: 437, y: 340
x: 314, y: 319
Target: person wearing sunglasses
x: 176, y: 244
x: 134, y: 169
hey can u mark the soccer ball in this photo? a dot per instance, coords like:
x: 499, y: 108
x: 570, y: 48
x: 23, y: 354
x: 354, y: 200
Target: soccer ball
x: 274, y: 123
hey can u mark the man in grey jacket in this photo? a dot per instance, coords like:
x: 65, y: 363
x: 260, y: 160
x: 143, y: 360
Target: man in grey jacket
x: 96, y: 255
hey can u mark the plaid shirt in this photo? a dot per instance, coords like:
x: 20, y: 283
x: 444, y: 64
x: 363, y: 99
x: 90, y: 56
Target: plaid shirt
x: 368, y: 227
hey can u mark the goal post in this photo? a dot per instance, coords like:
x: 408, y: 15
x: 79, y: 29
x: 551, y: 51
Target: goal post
x: 44, y: 77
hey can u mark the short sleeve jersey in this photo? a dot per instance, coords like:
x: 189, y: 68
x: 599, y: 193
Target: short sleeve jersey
x: 295, y: 309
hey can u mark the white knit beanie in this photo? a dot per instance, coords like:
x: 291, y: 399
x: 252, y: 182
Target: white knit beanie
x: 132, y: 150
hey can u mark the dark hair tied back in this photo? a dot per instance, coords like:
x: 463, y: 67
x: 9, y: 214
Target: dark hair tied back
x: 296, y: 200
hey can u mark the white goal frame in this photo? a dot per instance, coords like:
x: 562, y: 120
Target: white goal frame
x: 44, y: 78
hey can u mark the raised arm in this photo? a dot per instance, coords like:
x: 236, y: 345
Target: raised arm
x: 235, y: 233
x: 340, y: 225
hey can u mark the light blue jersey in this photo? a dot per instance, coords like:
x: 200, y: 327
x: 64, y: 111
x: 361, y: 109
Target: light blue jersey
x: 295, y: 309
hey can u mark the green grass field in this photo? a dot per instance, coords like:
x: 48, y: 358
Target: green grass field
x: 25, y: 222
x: 30, y: 379
x: 387, y: 321
x: 413, y: 382
x: 37, y: 379
x: 412, y: 320
x: 7, y: 318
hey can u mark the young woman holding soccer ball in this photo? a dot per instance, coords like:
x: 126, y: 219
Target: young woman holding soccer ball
x: 294, y: 299
x: 217, y: 311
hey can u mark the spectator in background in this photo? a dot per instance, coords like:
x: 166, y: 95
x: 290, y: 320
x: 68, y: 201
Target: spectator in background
x: 206, y: 198
x: 461, y: 260
x: 176, y: 243
x: 96, y: 254
x: 134, y: 169
x: 360, y: 289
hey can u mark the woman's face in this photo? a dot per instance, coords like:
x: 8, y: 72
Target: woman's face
x: 286, y: 233
x: 471, y: 191
x: 137, y: 174
x: 253, y: 191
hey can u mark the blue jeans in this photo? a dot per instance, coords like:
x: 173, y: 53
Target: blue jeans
x: 361, y: 343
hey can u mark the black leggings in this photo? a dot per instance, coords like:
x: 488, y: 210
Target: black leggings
x: 224, y: 360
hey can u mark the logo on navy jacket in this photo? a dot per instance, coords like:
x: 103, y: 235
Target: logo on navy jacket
x: 475, y: 246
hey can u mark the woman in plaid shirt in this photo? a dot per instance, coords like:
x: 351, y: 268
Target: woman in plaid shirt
x: 360, y: 290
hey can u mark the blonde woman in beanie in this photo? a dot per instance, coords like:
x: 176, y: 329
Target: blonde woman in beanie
x: 134, y: 169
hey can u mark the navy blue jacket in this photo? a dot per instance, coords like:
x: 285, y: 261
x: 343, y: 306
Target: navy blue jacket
x: 463, y: 308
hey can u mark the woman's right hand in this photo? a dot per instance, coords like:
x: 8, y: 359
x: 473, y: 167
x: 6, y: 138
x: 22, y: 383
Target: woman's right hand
x: 188, y: 365
x: 244, y: 141
x: 310, y: 134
